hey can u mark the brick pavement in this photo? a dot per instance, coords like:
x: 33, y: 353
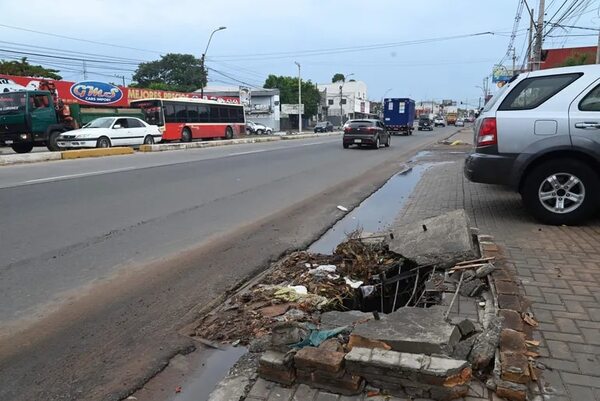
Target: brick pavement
x: 558, y: 269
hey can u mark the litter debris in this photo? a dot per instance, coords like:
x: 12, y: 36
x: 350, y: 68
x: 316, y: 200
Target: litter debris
x: 353, y: 283
x: 532, y: 343
x: 528, y: 318
x: 342, y: 208
x: 178, y: 389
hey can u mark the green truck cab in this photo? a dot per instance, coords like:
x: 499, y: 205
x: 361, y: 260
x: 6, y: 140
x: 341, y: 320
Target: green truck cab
x: 29, y: 118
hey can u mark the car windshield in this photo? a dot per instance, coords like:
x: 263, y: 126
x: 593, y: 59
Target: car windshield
x: 103, y: 122
x: 321, y: 124
x: 12, y: 102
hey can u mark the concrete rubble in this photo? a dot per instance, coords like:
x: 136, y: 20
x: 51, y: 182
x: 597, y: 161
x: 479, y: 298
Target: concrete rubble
x: 421, y: 323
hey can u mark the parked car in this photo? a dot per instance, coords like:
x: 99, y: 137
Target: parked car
x: 105, y: 132
x: 371, y: 133
x: 540, y: 135
x: 425, y: 123
x: 258, y: 128
x: 324, y: 126
x: 439, y: 122
x: 459, y: 123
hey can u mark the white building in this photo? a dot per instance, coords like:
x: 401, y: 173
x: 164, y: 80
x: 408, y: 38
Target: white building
x: 353, y: 96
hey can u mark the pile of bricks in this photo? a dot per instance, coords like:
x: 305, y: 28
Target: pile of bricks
x: 417, y: 375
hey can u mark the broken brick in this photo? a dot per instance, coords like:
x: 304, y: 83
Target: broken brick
x: 512, y: 341
x: 282, y: 376
x: 332, y: 344
x: 511, y: 391
x: 508, y: 301
x: 507, y: 287
x: 362, y: 342
x: 347, y: 384
x: 514, y: 367
x: 310, y: 358
x: 512, y: 320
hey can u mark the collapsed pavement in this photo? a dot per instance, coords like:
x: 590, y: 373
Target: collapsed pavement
x: 412, y: 312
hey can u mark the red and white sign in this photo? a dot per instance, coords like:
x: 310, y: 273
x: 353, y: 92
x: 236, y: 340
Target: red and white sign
x: 101, y: 93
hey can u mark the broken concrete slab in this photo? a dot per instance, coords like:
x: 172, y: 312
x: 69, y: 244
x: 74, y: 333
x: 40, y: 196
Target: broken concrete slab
x: 334, y: 319
x: 413, y: 330
x: 446, y: 241
x: 485, y: 346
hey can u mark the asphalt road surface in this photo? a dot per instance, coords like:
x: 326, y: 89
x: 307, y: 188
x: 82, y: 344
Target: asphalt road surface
x: 104, y: 261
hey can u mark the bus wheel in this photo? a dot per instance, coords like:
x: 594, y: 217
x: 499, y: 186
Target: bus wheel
x: 22, y: 147
x: 229, y: 133
x: 186, y: 135
x: 51, y: 143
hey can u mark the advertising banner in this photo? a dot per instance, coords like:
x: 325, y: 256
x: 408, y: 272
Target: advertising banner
x: 99, y: 93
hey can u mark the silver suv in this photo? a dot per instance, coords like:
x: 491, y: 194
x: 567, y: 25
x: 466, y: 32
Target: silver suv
x: 540, y: 134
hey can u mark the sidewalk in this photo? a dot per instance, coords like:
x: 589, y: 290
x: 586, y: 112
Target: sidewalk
x: 558, y: 267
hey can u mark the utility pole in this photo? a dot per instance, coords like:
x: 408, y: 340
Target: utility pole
x: 84, y: 71
x: 598, y: 49
x: 341, y: 106
x: 299, y: 99
x: 514, y: 59
x: 530, y: 46
x: 122, y: 77
x: 539, y: 30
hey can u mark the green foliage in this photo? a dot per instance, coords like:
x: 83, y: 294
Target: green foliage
x: 173, y: 72
x: 577, y: 59
x: 338, y: 77
x: 288, y: 92
x: 24, y: 69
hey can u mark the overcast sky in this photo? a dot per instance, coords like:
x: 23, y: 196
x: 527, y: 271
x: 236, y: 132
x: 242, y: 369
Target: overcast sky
x: 266, y: 37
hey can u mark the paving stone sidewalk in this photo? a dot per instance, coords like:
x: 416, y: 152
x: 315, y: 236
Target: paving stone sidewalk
x: 558, y: 269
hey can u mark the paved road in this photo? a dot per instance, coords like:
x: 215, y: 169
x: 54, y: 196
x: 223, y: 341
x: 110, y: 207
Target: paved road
x: 102, y: 258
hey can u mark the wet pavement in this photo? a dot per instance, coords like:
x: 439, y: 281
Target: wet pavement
x: 378, y: 211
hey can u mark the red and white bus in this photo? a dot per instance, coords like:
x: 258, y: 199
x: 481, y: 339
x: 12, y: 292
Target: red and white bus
x: 184, y: 119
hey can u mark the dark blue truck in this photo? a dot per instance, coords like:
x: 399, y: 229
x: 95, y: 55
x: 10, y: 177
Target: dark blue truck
x: 399, y: 115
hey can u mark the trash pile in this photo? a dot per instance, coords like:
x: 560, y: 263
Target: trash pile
x: 303, y: 285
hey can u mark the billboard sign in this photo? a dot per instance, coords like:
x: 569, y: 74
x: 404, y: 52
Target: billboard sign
x: 500, y: 74
x: 291, y: 109
x: 102, y: 93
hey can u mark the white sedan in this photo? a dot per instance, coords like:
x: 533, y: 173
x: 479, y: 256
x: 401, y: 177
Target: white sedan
x: 105, y: 132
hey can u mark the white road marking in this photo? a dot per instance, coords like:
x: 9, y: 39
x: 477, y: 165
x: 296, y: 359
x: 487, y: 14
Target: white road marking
x: 63, y: 177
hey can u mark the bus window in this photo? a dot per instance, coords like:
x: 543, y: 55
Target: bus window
x: 214, y: 114
x: 192, y: 112
x: 151, y: 110
x: 169, y: 113
x: 203, y: 114
x: 181, y: 113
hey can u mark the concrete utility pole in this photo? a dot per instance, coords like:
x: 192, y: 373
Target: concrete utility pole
x: 539, y: 30
x: 84, y: 71
x: 204, y: 55
x: 299, y: 99
x: 530, y: 46
x: 598, y: 49
x: 514, y: 59
x: 122, y: 77
x: 341, y: 97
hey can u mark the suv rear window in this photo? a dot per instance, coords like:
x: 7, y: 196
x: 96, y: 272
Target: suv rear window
x: 357, y: 124
x: 591, y: 102
x: 532, y: 92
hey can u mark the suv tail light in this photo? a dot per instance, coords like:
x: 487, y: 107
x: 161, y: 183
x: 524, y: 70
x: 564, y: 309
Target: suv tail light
x: 347, y: 130
x: 487, y: 134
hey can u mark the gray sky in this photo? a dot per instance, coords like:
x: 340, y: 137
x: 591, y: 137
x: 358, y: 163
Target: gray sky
x: 281, y: 32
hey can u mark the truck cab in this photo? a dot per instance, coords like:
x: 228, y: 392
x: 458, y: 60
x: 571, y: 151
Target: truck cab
x: 28, y: 118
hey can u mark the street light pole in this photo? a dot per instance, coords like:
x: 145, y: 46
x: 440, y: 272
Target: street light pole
x: 341, y: 97
x: 299, y: 99
x: 204, y: 56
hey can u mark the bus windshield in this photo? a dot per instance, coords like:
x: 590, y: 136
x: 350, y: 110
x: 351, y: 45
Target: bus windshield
x: 11, y: 103
x: 152, y: 111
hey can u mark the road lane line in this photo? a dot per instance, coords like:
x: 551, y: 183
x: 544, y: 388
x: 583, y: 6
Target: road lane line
x: 63, y: 177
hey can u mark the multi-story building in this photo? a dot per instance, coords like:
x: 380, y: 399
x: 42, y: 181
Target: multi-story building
x: 346, y: 100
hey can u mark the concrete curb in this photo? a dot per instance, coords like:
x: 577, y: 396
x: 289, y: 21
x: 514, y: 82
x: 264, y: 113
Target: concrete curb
x: 160, y: 147
x: 6, y: 160
x: 304, y: 136
x: 82, y: 153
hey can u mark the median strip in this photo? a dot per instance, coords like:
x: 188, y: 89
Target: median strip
x: 99, y: 152
x: 304, y: 136
x: 28, y: 158
x: 160, y: 147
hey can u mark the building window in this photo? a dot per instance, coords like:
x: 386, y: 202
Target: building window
x: 330, y: 102
x: 343, y: 101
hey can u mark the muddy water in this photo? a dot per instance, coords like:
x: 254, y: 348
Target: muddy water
x: 377, y: 212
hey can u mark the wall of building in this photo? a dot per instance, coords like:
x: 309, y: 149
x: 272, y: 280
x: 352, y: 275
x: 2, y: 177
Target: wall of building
x: 354, y: 98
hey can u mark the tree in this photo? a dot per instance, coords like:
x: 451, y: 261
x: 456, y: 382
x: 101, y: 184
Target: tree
x: 288, y: 92
x: 175, y: 72
x: 338, y: 77
x: 577, y: 59
x: 24, y: 69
